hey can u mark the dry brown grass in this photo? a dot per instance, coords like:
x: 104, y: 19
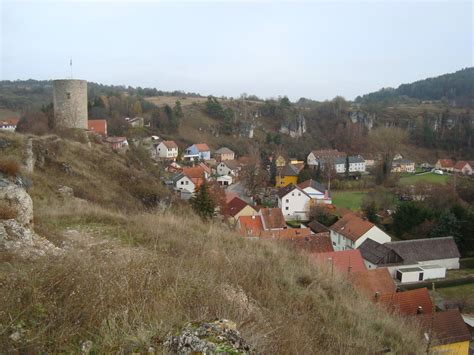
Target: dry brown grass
x: 6, y: 211
x: 9, y: 167
x: 169, y: 270
x: 156, y: 271
x: 171, y: 100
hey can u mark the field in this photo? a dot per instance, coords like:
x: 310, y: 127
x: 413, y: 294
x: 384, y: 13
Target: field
x: 462, y: 293
x: 6, y: 113
x: 427, y: 178
x: 348, y: 199
x: 171, y: 100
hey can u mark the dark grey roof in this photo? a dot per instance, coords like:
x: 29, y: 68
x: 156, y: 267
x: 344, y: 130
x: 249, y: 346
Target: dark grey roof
x: 231, y: 164
x: 416, y: 250
x: 177, y: 177
x: 378, y: 254
x: 317, y: 227
x: 352, y: 159
x: 289, y: 170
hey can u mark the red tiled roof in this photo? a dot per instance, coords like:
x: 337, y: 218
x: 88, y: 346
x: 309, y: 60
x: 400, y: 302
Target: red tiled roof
x: 206, y: 168
x: 342, y: 260
x: 352, y: 226
x: 288, y: 233
x: 373, y: 281
x: 170, y: 144
x: 446, y: 163
x: 250, y: 226
x: 236, y: 205
x: 196, y: 174
x: 273, y: 218
x: 408, y: 302
x: 202, y: 147
x: 318, y: 243
x: 10, y: 121
x: 445, y: 327
x: 97, y: 126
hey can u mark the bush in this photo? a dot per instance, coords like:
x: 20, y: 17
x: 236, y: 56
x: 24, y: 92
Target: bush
x: 9, y: 167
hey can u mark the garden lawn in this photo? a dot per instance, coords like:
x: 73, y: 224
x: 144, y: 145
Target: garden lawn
x: 427, y: 178
x: 348, y: 199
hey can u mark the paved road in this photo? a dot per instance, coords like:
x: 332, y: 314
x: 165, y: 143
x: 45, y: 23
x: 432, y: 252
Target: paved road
x: 239, y: 189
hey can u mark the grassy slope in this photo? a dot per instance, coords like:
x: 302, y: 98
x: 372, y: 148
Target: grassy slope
x: 151, y: 272
x: 348, y: 199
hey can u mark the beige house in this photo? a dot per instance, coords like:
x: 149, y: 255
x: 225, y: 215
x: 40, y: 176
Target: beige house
x: 464, y: 167
x: 445, y: 164
x: 403, y: 166
x: 238, y: 207
x: 224, y: 154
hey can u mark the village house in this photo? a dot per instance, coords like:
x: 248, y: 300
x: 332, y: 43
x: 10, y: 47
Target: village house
x: 370, y: 160
x: 199, y: 151
x: 208, y: 172
x: 317, y: 157
x: 340, y: 261
x: 136, y: 122
x: 408, y: 303
x: 403, y: 166
x: 373, y: 283
x: 224, y: 154
x: 413, y: 260
x: 229, y: 167
x: 224, y: 180
x: 356, y: 164
x: 280, y: 161
x: 237, y: 207
x: 117, y: 143
x: 351, y: 231
x: 445, y: 332
x: 287, y: 175
x: 184, y: 185
x: 464, y: 167
x: 98, y: 126
x: 9, y: 124
x: 294, y: 203
x: 167, y: 150
x: 445, y: 164
x: 314, y: 244
x: 317, y: 191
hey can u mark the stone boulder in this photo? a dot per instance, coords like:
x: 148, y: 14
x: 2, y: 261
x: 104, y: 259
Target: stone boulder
x: 16, y: 227
x: 220, y: 336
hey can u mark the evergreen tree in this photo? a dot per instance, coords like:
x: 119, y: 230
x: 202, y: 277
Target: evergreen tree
x: 370, y: 211
x: 448, y: 226
x: 273, y: 172
x: 346, y: 172
x: 202, y: 202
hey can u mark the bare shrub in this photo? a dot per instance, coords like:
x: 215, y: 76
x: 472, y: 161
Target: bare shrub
x: 9, y: 167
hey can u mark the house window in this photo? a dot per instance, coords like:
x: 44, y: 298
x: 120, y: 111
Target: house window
x: 287, y: 200
x: 187, y: 182
x: 293, y: 194
x: 182, y: 182
x: 420, y: 277
x: 299, y: 193
x: 287, y: 208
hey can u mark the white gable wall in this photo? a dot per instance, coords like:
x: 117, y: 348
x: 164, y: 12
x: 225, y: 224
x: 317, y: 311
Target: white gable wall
x: 295, y: 205
x: 374, y: 233
x: 185, y: 183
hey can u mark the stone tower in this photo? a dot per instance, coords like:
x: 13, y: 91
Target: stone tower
x: 70, y: 103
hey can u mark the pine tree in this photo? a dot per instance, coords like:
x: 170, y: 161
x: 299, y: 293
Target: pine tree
x: 202, y: 202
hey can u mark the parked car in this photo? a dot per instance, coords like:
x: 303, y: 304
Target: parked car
x: 437, y: 171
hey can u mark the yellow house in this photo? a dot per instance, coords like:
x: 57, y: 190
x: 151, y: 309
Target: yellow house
x: 446, y: 332
x: 280, y: 161
x: 288, y: 175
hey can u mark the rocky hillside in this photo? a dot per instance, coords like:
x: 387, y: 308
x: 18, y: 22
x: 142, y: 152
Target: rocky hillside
x: 120, y: 273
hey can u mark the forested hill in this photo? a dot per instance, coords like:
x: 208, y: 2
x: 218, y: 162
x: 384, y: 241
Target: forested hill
x: 457, y: 87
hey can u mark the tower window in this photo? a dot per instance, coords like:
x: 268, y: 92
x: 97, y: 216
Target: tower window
x: 68, y: 95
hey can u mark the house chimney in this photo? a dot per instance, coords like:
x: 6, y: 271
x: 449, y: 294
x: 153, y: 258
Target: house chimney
x: 377, y: 295
x: 419, y: 310
x: 349, y: 269
x: 253, y: 217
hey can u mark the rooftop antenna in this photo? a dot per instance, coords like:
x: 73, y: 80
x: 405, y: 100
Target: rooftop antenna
x: 70, y: 64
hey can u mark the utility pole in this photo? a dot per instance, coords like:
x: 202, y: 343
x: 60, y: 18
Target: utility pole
x: 70, y: 64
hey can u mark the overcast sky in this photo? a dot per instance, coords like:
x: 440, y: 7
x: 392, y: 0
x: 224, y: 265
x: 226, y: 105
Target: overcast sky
x: 308, y: 49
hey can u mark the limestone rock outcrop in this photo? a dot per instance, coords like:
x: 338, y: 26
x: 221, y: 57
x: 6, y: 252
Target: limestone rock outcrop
x: 220, y: 336
x: 16, y: 223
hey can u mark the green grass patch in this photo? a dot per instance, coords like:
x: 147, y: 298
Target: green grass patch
x: 459, y: 293
x: 348, y: 199
x: 428, y: 178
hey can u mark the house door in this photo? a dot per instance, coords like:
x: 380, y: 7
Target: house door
x: 420, y: 277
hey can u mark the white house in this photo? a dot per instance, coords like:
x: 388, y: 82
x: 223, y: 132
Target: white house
x: 294, y: 203
x: 167, y: 150
x: 317, y: 191
x: 183, y: 182
x: 351, y: 231
x: 224, y: 180
x: 229, y: 167
x: 427, y: 258
x: 9, y: 124
x: 356, y: 164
